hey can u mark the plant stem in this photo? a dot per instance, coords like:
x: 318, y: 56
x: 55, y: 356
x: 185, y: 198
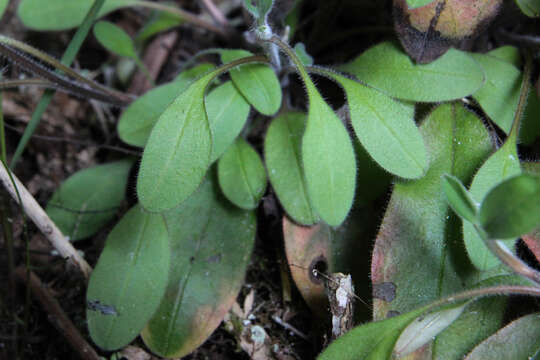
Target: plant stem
x: 67, y: 59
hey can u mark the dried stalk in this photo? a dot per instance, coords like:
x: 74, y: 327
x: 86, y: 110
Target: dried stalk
x: 35, y: 212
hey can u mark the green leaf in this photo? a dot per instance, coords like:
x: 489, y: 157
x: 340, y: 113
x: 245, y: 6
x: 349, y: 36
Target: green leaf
x: 459, y: 199
x: 386, y: 130
x: 507, y: 53
x: 3, y: 7
x: 418, y: 222
x: 300, y: 50
x: 211, y: 244
x: 178, y: 151
x: 373, y: 341
x: 512, y: 208
x: 139, y: 118
x: 159, y: 21
x: 502, y: 165
x: 115, y: 39
x: 241, y: 175
x: 129, y: 280
x: 89, y: 199
x: 257, y: 82
x: 62, y: 14
x: 479, y: 320
x: 327, y: 155
x: 387, y: 68
x: 518, y: 340
x: 413, y: 4
x: 329, y: 162
x: 259, y: 8
x: 424, y: 329
x: 227, y: 112
x: 531, y: 8
x: 282, y: 153
x: 499, y: 96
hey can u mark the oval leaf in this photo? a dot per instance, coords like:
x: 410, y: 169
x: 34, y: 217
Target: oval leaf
x: 129, y: 280
x: 512, y: 208
x: 89, y: 199
x: 139, y: 118
x: 518, y: 340
x: 387, y: 68
x: 62, y: 14
x: 417, y: 222
x: 502, y: 165
x: 257, y: 82
x: 385, y: 130
x: 114, y: 39
x: 241, y: 175
x: 329, y: 161
x: 178, y: 152
x: 282, y: 153
x: 211, y: 244
x: 499, y: 96
x: 227, y: 113
x: 458, y: 198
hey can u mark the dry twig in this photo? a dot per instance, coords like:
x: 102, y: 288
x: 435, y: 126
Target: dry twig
x: 57, y: 316
x: 42, y: 220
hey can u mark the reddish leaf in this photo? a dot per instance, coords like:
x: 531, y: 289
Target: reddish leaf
x: 427, y: 32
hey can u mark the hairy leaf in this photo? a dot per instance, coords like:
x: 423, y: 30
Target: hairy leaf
x: 139, y: 118
x: 499, y: 96
x: 282, y: 152
x: 416, y: 224
x: 89, y: 199
x: 115, y: 39
x: 211, y: 244
x: 257, y: 82
x: 387, y: 68
x: 178, y: 151
x: 227, y: 113
x: 502, y: 165
x: 518, y: 340
x: 129, y: 280
x: 241, y: 175
x: 329, y: 161
x: 62, y: 14
x: 458, y: 198
x: 512, y: 208
x: 385, y: 129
